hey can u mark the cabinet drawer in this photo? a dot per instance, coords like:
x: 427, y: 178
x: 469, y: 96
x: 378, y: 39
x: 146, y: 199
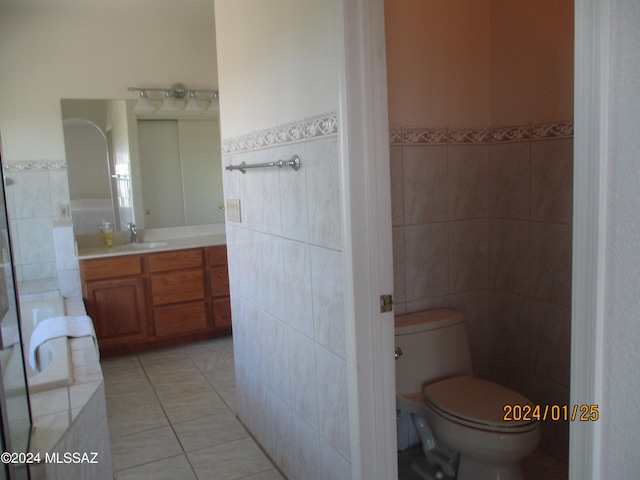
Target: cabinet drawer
x: 217, y: 255
x: 219, y: 278
x: 183, y: 286
x: 222, y: 312
x: 101, y: 268
x: 180, y: 319
x: 178, y: 259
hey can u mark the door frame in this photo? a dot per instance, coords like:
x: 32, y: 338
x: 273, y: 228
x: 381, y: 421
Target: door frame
x: 367, y: 240
x: 364, y: 129
x: 591, y: 96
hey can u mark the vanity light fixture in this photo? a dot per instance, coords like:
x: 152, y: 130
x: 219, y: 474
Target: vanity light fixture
x: 169, y: 104
x: 192, y: 104
x: 144, y: 104
x: 214, y: 106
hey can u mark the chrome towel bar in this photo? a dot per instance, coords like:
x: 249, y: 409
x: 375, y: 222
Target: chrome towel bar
x: 293, y: 163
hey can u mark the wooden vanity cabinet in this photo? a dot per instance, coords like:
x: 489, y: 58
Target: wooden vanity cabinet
x: 218, y: 273
x: 157, y: 299
x: 113, y: 291
x: 178, y: 292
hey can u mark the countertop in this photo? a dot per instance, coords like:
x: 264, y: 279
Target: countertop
x: 150, y: 241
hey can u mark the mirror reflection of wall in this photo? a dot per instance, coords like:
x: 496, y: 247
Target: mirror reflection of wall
x: 180, y: 186
x: 154, y: 172
x: 88, y: 171
x: 99, y: 136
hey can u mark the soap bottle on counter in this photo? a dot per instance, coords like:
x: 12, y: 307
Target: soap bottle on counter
x: 107, y: 234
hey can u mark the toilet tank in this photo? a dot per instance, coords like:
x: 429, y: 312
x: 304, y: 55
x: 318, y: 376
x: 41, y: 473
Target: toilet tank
x: 434, y: 346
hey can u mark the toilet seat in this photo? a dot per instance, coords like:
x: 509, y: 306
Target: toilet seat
x: 476, y: 403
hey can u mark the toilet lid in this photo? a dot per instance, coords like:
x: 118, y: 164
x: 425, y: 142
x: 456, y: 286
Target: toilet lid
x: 476, y: 402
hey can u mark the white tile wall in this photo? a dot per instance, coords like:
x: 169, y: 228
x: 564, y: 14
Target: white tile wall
x: 286, y: 277
x: 32, y: 194
x: 303, y: 374
x: 333, y: 411
x: 322, y: 167
x: 68, y: 268
x: 306, y: 449
x: 41, y: 250
x: 297, y: 278
x: 273, y: 281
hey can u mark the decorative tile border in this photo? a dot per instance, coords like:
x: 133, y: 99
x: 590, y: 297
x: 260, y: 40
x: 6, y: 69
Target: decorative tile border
x: 327, y: 124
x: 510, y: 134
x: 313, y: 127
x: 424, y: 135
x: 533, y: 131
x: 469, y: 135
x: 36, y: 165
x: 552, y: 129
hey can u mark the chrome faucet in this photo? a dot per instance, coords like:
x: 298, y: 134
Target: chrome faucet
x: 133, y: 238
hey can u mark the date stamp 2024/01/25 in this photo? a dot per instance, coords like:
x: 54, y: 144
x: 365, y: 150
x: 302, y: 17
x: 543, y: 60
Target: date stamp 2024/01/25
x: 526, y: 413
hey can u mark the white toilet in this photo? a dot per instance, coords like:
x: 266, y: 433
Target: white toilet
x: 458, y: 418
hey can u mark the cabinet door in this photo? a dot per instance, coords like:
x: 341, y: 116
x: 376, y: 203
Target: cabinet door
x: 118, y: 310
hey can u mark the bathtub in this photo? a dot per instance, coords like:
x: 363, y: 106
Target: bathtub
x: 53, y: 367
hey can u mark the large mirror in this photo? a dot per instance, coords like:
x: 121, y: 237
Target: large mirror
x: 151, y: 170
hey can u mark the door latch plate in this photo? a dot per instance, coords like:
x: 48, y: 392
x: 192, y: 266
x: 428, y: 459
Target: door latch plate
x: 386, y: 303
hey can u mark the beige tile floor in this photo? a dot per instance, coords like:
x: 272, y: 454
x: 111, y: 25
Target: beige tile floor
x: 172, y: 415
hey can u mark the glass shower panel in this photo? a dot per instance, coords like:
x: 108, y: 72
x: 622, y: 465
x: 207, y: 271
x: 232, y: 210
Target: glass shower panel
x: 14, y: 397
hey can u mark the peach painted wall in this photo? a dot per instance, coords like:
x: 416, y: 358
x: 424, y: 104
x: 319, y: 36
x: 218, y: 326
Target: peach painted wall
x: 470, y: 63
x: 438, y: 62
x: 531, y: 61
x: 479, y: 224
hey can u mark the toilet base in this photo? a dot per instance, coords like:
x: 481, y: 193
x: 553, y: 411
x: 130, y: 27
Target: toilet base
x: 427, y: 471
x: 470, y: 469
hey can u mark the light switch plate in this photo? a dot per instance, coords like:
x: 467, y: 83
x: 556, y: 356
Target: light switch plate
x: 63, y: 210
x: 233, y: 210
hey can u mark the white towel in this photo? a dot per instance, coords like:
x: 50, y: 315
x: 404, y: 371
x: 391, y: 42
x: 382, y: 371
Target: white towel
x: 80, y: 326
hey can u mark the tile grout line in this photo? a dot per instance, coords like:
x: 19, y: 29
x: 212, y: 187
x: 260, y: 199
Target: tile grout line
x: 194, y: 367
x: 175, y: 434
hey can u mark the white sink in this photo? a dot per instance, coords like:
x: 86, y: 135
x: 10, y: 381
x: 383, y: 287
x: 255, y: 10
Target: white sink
x: 130, y: 247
